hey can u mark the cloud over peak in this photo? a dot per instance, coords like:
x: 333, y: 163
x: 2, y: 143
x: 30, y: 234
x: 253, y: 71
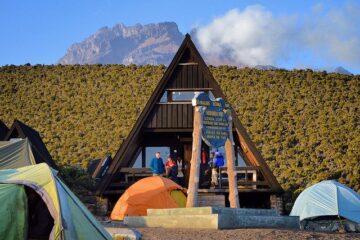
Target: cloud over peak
x: 254, y: 36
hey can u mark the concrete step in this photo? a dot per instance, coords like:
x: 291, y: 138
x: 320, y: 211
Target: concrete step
x: 209, y: 221
x: 247, y: 211
x: 213, y: 218
x: 213, y: 221
x: 240, y: 221
x: 212, y: 210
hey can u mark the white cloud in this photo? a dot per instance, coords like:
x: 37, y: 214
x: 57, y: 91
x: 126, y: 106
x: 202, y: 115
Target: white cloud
x: 255, y: 36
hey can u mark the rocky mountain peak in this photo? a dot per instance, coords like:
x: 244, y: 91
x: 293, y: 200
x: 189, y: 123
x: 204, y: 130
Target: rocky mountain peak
x: 139, y: 44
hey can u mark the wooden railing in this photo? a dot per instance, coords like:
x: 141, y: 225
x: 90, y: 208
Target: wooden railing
x: 247, y: 177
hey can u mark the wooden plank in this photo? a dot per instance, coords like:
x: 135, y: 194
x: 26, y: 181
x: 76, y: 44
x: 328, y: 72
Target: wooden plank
x: 189, y: 76
x: 189, y: 89
x: 185, y: 116
x: 195, y: 77
x: 182, y: 82
x: 190, y: 118
x: 158, y: 117
x: 169, y: 116
x: 230, y: 160
x: 135, y: 170
x: 153, y: 120
x: 242, y: 190
x: 164, y: 116
x: 173, y: 117
x: 179, y: 116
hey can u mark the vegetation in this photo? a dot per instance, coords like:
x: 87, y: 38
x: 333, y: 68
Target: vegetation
x: 306, y: 124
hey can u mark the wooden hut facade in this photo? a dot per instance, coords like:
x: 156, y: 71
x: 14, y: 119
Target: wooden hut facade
x: 166, y: 125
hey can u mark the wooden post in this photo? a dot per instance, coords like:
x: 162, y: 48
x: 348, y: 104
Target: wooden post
x: 195, y: 160
x: 230, y: 160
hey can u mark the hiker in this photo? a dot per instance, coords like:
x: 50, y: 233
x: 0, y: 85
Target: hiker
x: 172, y: 169
x: 40, y: 220
x: 157, y: 165
x: 204, y: 169
x: 219, y: 159
x: 216, y: 163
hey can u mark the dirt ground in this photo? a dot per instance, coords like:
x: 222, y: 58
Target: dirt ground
x: 273, y: 234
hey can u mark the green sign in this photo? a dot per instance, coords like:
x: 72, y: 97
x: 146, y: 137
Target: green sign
x: 215, y: 128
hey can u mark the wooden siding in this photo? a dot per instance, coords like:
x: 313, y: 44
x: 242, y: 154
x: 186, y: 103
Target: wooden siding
x: 188, y: 76
x: 175, y: 116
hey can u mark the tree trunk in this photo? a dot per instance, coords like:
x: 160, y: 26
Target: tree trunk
x: 230, y: 160
x: 195, y: 160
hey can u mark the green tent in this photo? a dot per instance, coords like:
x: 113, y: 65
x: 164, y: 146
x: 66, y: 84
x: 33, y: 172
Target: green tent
x: 16, y: 153
x: 14, y: 207
x: 72, y: 220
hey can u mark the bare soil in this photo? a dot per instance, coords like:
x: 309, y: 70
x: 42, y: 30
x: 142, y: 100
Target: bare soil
x: 273, y: 234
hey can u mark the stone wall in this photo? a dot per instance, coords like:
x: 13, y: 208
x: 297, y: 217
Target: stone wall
x: 276, y: 202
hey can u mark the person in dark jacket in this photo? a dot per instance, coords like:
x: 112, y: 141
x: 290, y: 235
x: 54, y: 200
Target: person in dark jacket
x: 157, y: 165
x: 172, y: 170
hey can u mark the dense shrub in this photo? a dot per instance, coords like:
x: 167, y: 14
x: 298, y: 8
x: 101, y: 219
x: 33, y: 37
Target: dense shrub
x: 305, y: 123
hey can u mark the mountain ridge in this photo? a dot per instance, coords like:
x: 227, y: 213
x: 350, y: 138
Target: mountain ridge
x: 154, y: 44
x: 139, y: 44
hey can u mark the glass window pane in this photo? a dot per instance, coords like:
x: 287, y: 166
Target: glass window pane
x: 182, y: 96
x: 150, y: 153
x: 241, y: 162
x: 164, y: 98
x: 138, y: 162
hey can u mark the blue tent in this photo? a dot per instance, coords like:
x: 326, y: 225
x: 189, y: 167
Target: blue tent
x: 328, y: 198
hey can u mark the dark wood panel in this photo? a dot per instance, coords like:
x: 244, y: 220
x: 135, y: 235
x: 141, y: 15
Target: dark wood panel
x: 158, y: 116
x: 169, y: 116
x: 174, y: 116
x: 188, y: 76
x: 184, y: 116
x: 179, y: 116
x: 153, y: 121
x: 189, y: 79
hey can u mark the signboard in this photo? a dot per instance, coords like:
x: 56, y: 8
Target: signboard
x: 215, y: 128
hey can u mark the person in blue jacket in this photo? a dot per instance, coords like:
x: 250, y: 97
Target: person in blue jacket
x: 157, y: 165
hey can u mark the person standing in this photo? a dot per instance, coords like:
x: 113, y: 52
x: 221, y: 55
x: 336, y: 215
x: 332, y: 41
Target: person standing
x: 157, y: 165
x: 172, y: 170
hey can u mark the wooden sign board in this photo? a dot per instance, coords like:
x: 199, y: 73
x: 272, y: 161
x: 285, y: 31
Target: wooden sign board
x: 213, y: 124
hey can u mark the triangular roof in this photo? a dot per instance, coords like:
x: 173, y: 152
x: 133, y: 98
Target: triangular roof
x: 188, y: 52
x: 3, y: 130
x: 21, y: 130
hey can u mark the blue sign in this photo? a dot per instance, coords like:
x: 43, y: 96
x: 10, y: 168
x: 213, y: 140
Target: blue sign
x: 215, y: 129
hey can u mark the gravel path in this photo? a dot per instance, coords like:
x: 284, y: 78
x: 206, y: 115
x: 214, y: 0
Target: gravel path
x: 273, y: 234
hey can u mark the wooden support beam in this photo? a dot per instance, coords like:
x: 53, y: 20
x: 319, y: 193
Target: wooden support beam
x: 195, y: 160
x: 230, y: 160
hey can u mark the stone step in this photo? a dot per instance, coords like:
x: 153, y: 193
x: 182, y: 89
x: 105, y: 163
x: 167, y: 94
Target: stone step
x: 212, y: 210
x: 240, y: 221
x: 247, y: 211
x: 213, y: 221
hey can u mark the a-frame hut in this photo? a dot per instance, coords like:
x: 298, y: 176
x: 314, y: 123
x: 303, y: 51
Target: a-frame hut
x: 166, y: 125
x: 20, y: 130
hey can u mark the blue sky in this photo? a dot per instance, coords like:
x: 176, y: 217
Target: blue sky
x: 41, y: 31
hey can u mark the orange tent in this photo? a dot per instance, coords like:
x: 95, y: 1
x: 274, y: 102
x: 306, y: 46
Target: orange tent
x: 150, y: 192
